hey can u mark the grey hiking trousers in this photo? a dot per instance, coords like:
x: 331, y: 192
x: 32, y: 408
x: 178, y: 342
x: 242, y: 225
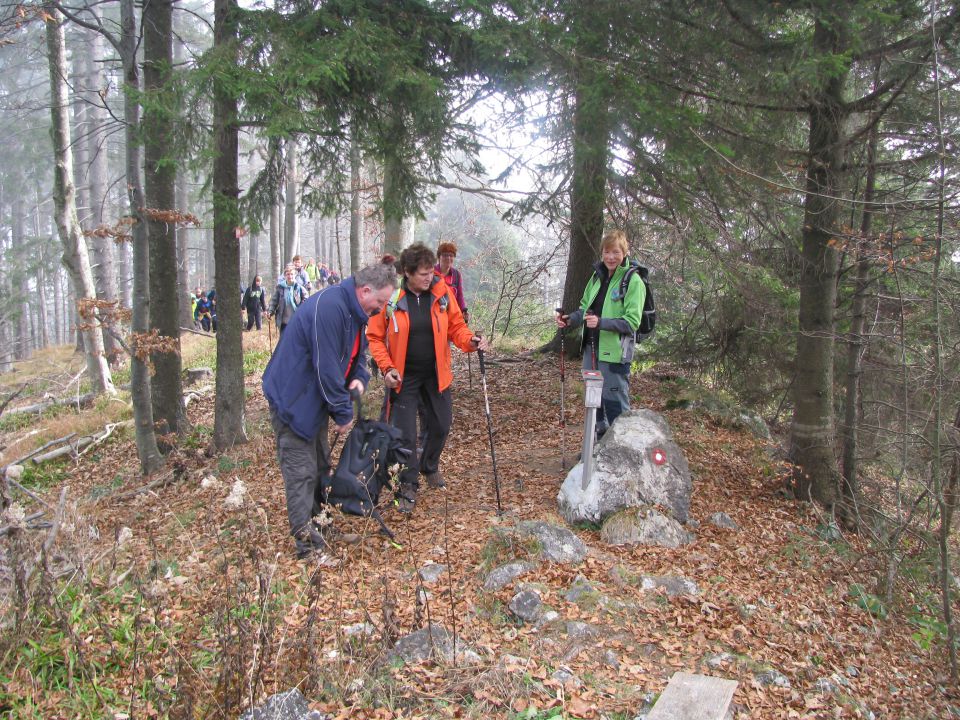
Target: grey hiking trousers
x: 302, y: 463
x: 615, y: 397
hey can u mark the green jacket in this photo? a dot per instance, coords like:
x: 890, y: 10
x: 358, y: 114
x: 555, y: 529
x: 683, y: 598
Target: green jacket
x: 619, y: 317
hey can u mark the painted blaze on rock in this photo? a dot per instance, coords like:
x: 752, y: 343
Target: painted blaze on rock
x: 636, y: 463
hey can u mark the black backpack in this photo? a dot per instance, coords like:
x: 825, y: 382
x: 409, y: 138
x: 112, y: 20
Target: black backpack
x: 648, y: 318
x: 371, y: 449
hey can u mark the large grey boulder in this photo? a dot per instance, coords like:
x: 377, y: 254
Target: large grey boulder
x: 527, y: 605
x: 432, y: 641
x: 199, y: 374
x: 636, y: 463
x: 643, y: 526
x: 505, y: 574
x: 557, y: 544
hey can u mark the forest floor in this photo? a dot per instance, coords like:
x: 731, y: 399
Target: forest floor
x: 168, y: 603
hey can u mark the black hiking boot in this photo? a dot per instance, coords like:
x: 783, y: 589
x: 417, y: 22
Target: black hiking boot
x: 435, y: 480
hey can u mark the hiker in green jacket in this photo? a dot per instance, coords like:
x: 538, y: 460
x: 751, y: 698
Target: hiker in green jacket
x: 611, y: 314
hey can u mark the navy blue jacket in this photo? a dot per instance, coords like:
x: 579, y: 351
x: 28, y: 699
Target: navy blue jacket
x: 307, y: 376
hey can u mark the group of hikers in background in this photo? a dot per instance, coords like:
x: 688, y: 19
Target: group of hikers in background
x: 409, y: 326
x: 291, y: 290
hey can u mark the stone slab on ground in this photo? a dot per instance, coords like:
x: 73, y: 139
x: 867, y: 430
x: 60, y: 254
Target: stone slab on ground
x: 694, y: 697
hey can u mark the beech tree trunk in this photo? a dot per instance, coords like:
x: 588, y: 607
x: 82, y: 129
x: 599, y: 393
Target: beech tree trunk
x: 75, y: 256
x: 276, y: 255
x: 291, y: 225
x: 229, y: 420
x: 102, y: 248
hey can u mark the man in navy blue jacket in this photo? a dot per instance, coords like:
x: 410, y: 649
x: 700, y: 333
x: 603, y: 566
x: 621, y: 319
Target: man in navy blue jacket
x: 320, y: 358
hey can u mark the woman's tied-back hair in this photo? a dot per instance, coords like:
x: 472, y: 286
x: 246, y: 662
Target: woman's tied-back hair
x: 376, y: 276
x: 415, y: 257
x: 446, y: 247
x: 615, y: 238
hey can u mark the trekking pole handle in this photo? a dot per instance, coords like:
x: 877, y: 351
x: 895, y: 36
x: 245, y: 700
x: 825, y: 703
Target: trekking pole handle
x: 357, y: 404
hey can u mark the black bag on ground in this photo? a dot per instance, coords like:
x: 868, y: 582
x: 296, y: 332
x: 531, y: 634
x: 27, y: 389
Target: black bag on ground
x: 371, y: 449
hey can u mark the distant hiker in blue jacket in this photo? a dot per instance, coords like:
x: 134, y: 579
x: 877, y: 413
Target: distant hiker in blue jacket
x: 288, y: 296
x: 319, y: 359
x: 254, y: 302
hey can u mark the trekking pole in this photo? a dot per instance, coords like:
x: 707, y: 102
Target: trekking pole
x: 563, y: 388
x: 493, y: 453
x: 270, y: 332
x: 470, y: 371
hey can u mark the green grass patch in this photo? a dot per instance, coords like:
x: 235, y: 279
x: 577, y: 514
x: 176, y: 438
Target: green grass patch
x: 199, y: 437
x: 255, y: 361
x: 504, y: 547
x: 43, y: 477
x: 21, y: 421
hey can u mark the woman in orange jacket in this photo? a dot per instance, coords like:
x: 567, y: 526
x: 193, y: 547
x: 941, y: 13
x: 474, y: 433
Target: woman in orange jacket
x: 410, y: 342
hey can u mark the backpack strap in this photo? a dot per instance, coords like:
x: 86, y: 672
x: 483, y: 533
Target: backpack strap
x: 634, y: 269
x: 392, y: 308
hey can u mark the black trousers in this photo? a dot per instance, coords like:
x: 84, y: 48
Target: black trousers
x: 253, y: 316
x: 418, y: 392
x: 302, y: 463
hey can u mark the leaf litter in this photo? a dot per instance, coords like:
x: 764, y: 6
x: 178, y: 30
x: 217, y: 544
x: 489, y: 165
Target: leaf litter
x: 228, y: 616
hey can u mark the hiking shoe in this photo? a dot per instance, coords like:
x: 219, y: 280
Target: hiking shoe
x: 406, y: 499
x: 309, y: 541
x: 435, y: 480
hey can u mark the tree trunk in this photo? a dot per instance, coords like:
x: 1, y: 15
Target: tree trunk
x: 591, y: 133
x: 276, y: 256
x: 229, y: 405
x: 857, y: 341
x: 80, y: 67
x: 74, y: 244
x: 58, y: 333
x: 104, y: 268
x: 812, y: 434
x: 147, y: 451
x: 291, y: 224
x: 42, y: 320
x: 253, y: 266
x: 392, y: 216
x: 339, y: 253
x: 356, y: 219
x: 183, y: 253
x: 21, y: 281
x: 166, y: 388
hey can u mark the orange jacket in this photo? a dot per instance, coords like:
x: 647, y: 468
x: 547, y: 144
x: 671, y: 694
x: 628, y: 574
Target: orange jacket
x: 388, y: 332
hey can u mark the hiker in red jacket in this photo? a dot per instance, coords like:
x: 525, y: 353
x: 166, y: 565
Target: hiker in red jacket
x: 446, y: 254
